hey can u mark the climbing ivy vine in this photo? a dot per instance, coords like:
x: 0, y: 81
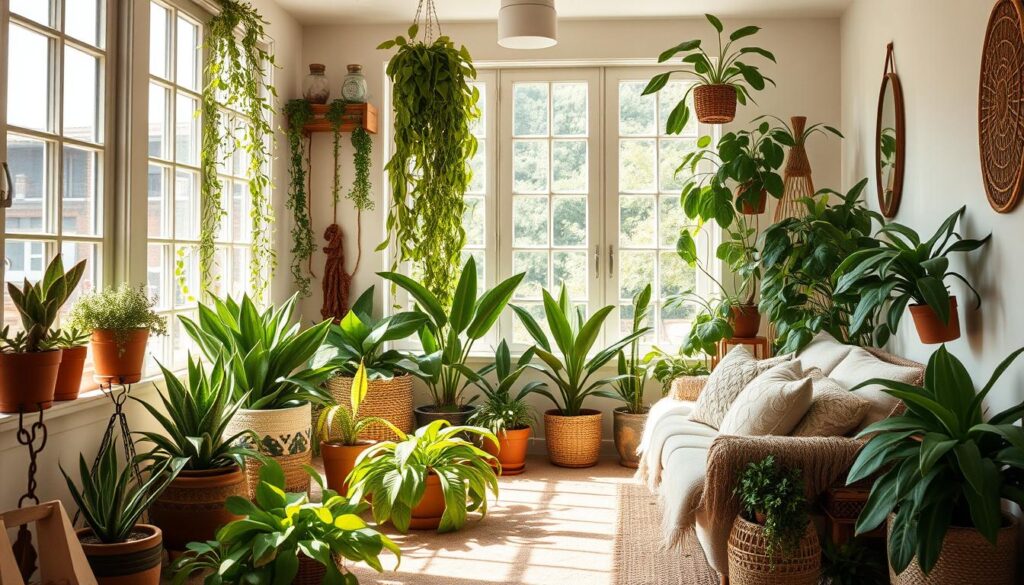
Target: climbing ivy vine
x: 299, y: 113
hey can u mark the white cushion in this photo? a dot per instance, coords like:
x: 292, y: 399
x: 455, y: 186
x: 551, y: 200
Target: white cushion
x: 860, y: 366
x: 725, y: 383
x: 823, y: 352
x: 772, y: 404
x: 834, y: 411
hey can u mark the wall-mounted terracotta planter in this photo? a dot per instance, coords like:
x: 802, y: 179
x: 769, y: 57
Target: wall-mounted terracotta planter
x: 510, y: 450
x: 69, y: 376
x: 28, y: 380
x: 931, y: 329
x: 191, y: 509
x: 745, y: 321
x: 136, y: 562
x: 339, y: 461
x: 573, y: 441
x: 426, y: 515
x: 715, y: 104
x: 118, y: 356
x: 628, y: 428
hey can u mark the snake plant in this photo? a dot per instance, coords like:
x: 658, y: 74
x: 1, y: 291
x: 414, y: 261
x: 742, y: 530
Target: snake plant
x: 38, y: 305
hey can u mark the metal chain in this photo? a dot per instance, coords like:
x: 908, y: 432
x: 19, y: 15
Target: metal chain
x: 23, y: 549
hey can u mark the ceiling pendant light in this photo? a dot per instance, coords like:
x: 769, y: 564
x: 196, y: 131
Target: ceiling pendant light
x: 527, y: 24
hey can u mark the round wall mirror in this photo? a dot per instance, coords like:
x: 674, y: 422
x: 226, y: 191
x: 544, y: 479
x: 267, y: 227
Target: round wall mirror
x: 890, y: 145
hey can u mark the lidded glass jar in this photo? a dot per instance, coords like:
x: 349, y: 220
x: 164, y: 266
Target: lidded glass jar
x: 316, y: 88
x: 353, y: 88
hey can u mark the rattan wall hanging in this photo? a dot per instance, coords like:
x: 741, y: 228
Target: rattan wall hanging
x: 1001, y: 106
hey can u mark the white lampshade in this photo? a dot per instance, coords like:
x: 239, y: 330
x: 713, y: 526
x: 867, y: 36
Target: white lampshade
x: 527, y: 24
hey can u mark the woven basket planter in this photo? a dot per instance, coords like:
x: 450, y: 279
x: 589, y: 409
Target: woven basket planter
x: 573, y: 441
x: 715, y: 104
x: 687, y: 387
x: 749, y: 563
x: 966, y: 556
x: 390, y: 400
x: 284, y: 435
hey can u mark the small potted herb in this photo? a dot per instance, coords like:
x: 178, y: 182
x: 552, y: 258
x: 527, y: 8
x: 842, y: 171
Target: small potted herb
x: 680, y: 375
x: 30, y: 359
x: 75, y: 345
x: 121, y: 320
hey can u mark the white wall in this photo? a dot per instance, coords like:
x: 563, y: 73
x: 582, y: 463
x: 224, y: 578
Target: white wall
x: 938, y: 47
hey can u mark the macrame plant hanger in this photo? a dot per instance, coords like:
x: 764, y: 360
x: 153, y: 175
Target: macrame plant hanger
x: 797, y: 174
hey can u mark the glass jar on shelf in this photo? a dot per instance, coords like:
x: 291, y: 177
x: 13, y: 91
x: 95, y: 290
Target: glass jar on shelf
x: 317, y: 88
x: 354, y: 88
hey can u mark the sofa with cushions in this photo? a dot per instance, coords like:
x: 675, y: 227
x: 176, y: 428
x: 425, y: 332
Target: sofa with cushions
x: 798, y: 408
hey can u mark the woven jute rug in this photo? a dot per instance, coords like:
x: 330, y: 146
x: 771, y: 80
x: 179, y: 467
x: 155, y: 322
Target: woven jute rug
x: 640, y: 558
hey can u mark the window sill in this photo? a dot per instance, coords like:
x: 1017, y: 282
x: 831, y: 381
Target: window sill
x: 86, y: 400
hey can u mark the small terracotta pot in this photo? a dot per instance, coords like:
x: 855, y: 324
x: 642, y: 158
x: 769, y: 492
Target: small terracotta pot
x: 339, y: 461
x: 69, y: 376
x: 510, y: 450
x: 136, y: 562
x: 27, y: 380
x: 628, y: 428
x: 573, y: 441
x: 931, y: 329
x: 426, y: 515
x: 715, y: 104
x: 119, y: 361
x: 191, y: 509
x: 428, y: 414
x: 745, y: 321
x: 747, y: 209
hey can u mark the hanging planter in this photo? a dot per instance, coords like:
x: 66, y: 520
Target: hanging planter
x: 930, y: 327
x: 715, y: 104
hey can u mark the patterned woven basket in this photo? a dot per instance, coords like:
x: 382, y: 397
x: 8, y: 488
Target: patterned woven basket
x: 715, y: 104
x: 390, y: 400
x: 965, y: 557
x: 750, y: 565
x: 573, y: 441
x: 284, y: 435
x: 687, y: 387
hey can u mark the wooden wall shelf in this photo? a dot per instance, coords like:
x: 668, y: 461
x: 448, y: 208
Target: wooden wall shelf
x: 356, y: 115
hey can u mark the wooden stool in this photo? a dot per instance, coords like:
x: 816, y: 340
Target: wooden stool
x: 761, y: 348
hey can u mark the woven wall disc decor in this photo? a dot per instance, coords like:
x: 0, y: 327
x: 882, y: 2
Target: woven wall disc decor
x: 1001, y: 106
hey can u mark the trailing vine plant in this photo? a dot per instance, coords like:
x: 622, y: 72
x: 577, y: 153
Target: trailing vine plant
x: 237, y: 78
x: 360, y: 193
x: 298, y: 112
x: 429, y: 171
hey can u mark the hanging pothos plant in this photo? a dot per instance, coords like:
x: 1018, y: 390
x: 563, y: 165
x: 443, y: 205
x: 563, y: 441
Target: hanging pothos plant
x: 298, y: 113
x: 237, y: 78
x: 429, y: 171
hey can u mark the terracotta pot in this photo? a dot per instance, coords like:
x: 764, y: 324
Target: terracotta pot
x: 931, y: 329
x: 745, y: 321
x: 428, y: 414
x: 426, y: 515
x: 510, y: 450
x: 136, y: 562
x: 117, y: 356
x: 965, y: 556
x: 282, y: 434
x: 339, y: 461
x: 69, y: 376
x: 628, y: 428
x: 747, y: 209
x: 27, y: 380
x: 191, y: 509
x: 573, y: 441
x: 715, y: 104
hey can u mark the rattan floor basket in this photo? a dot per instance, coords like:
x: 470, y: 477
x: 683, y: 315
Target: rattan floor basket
x: 715, y: 104
x: 749, y: 563
x: 687, y: 387
x: 390, y: 400
x: 967, y: 557
x: 573, y: 441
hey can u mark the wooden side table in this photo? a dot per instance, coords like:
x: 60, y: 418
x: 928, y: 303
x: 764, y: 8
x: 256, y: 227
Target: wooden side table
x: 760, y: 347
x: 842, y: 506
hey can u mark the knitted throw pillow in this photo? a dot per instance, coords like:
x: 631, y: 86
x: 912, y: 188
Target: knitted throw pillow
x: 725, y: 383
x: 834, y: 411
x: 772, y: 404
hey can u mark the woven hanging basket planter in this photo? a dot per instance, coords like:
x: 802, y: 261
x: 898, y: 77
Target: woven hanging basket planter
x: 749, y: 563
x: 715, y: 104
x: 965, y: 557
x: 687, y: 387
x: 390, y: 400
x: 573, y: 441
x: 284, y: 435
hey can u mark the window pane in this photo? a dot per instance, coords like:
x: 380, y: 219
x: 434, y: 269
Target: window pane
x: 636, y: 220
x: 671, y: 153
x: 530, y: 109
x: 74, y: 252
x: 519, y: 333
x: 671, y: 220
x: 186, y: 205
x: 28, y: 79
x: 186, y: 133
x: 478, y: 127
x: 25, y: 259
x: 481, y: 266
x: 82, y: 20
x: 636, y: 166
x: 81, y: 95
x: 159, y: 26
x: 636, y: 269
x: 478, y: 164
x: 238, y: 216
x: 29, y: 163
x: 530, y: 221
x: 159, y: 203
x: 530, y: 166
x: 40, y: 11
x: 239, y: 271
x: 474, y: 221
x: 676, y: 276
x: 570, y: 268
x: 570, y: 221
x: 569, y: 158
x: 636, y: 112
x: 80, y: 205
x: 186, y: 276
x: 181, y: 343
x: 668, y: 98
x: 535, y: 265
x: 158, y: 139
x: 187, y: 54
x: 569, y: 101
x: 158, y: 273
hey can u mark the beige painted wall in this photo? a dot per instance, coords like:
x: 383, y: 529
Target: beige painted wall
x: 938, y: 55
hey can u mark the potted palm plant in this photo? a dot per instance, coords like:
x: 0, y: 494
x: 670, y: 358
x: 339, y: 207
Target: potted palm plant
x: 74, y: 343
x: 193, y: 419
x: 30, y: 360
x: 723, y: 78
x: 120, y: 549
x: 268, y: 353
x: 403, y: 480
x: 507, y: 416
x: 943, y: 468
x: 903, y: 270
x: 121, y: 320
x: 341, y: 428
x: 360, y: 339
x: 284, y: 538
x: 572, y: 433
x: 448, y: 337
